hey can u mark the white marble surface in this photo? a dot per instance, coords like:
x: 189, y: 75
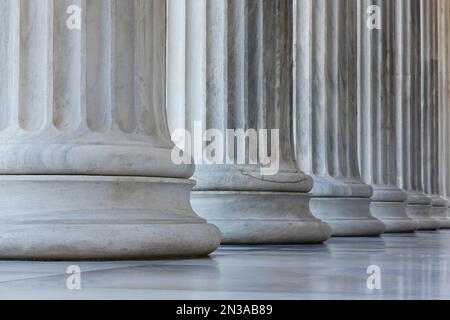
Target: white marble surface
x: 444, y: 95
x: 326, y: 116
x: 378, y: 128
x: 87, y: 102
x: 85, y: 151
x: 433, y: 169
x: 239, y: 79
x: 100, y: 218
x: 408, y: 116
x: 413, y: 266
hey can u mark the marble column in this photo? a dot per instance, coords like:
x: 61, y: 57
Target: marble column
x: 326, y: 100
x: 408, y: 116
x: 444, y: 104
x: 85, y: 151
x: 431, y: 162
x: 376, y: 110
x: 234, y: 72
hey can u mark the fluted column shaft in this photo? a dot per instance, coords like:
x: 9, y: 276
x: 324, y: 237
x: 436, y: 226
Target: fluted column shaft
x: 239, y: 77
x: 326, y: 120
x: 407, y: 107
x: 431, y: 163
x: 66, y: 91
x: 377, y: 125
x: 83, y: 122
x: 444, y: 104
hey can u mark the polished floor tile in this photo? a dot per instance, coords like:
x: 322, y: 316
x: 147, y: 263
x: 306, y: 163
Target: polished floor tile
x: 412, y: 267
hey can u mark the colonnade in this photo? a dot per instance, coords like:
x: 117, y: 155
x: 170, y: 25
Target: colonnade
x: 369, y: 121
x: 298, y: 120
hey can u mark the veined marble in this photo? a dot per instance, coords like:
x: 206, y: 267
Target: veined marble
x: 377, y: 92
x: 239, y: 76
x: 413, y: 267
x: 85, y: 150
x: 326, y: 115
x: 408, y: 115
x: 444, y: 104
x: 431, y: 139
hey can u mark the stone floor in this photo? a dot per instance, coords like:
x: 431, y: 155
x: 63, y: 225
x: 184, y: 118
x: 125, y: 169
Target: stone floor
x: 412, y: 267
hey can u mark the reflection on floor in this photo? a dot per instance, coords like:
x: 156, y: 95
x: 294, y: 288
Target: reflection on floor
x: 412, y: 267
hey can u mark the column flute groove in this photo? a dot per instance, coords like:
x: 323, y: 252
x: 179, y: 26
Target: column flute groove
x: 408, y: 114
x: 86, y: 168
x: 327, y: 115
x: 444, y: 112
x: 376, y: 109
x: 241, y: 79
x: 430, y: 111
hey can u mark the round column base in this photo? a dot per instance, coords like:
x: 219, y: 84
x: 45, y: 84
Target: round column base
x: 393, y: 215
x: 261, y: 217
x: 421, y: 215
x: 441, y: 215
x: 348, y: 217
x: 446, y: 224
x: 100, y: 218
